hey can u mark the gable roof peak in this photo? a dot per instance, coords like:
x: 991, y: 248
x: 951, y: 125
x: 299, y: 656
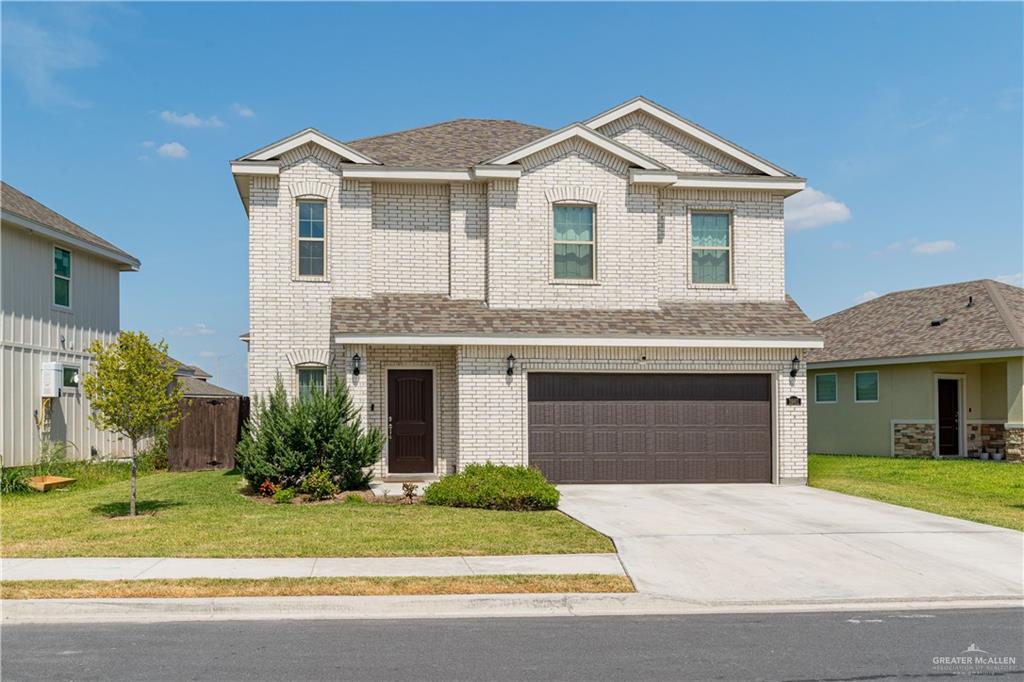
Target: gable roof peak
x: 585, y: 132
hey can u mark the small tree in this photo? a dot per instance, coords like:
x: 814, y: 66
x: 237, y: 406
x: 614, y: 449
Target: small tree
x: 133, y: 391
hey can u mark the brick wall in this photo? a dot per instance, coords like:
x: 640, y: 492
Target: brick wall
x: 410, y: 238
x: 492, y: 409
x: 520, y: 232
x: 468, y: 241
x: 678, y: 151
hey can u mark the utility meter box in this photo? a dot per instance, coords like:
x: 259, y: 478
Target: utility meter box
x: 52, y: 378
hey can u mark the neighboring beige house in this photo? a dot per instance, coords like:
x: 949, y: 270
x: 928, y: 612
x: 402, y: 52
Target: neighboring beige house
x: 931, y: 372
x: 605, y: 301
x: 60, y: 289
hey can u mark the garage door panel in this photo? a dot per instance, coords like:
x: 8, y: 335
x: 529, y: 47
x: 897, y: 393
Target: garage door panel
x: 719, y: 428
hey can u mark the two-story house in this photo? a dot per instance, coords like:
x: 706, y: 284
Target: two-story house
x: 605, y: 302
x: 60, y: 289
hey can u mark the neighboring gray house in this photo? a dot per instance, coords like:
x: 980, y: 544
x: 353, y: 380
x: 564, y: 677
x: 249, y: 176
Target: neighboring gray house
x: 60, y: 289
x: 605, y: 301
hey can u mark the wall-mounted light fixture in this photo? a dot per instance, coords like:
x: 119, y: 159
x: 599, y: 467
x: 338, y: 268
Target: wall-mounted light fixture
x: 356, y: 362
x: 796, y: 367
x: 511, y: 360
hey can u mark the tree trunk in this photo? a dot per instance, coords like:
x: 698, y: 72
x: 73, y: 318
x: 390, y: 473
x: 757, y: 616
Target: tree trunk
x: 135, y: 468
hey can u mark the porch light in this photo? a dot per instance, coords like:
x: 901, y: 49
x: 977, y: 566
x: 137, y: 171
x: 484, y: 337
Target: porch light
x: 356, y: 362
x: 796, y: 367
x: 511, y: 360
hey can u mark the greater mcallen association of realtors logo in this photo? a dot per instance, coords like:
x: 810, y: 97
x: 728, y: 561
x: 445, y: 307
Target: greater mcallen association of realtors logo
x: 974, y: 660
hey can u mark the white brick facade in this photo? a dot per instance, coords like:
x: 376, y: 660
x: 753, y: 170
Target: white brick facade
x: 492, y: 241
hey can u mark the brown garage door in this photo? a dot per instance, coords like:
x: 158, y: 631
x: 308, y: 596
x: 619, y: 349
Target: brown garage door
x: 651, y: 428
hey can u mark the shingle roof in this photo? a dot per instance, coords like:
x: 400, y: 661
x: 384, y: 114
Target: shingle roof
x: 25, y: 206
x: 900, y: 324
x: 421, y: 314
x: 460, y: 143
x: 197, y: 388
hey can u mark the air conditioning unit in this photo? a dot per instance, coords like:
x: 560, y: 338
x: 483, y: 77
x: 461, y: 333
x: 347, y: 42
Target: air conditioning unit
x: 52, y: 378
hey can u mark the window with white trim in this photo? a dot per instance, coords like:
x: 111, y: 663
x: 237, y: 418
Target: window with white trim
x: 61, y: 277
x: 311, y: 238
x: 574, y: 241
x: 310, y: 379
x: 865, y: 387
x: 710, y: 248
x: 826, y: 388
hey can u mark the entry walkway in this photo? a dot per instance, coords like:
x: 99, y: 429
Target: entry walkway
x: 130, y: 568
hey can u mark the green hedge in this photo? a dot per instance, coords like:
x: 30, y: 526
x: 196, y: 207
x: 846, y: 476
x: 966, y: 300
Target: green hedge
x: 492, y: 486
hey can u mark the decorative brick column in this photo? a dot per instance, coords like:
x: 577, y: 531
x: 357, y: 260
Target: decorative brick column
x: 1014, y: 444
x: 913, y: 439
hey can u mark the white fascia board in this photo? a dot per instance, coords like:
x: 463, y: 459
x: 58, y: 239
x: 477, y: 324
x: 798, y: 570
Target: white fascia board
x: 790, y: 185
x: 130, y: 262
x: 406, y: 174
x: 688, y: 127
x: 915, y: 359
x: 485, y: 172
x: 255, y: 168
x: 601, y: 341
x: 652, y: 177
x: 305, y: 137
x: 583, y: 132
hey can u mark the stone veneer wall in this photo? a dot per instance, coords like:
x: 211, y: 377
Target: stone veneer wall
x: 492, y: 416
x: 912, y: 439
x: 985, y: 435
x: 1015, y: 445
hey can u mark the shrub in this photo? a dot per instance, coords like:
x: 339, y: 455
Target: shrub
x: 14, y: 480
x: 284, y: 496
x: 492, y: 486
x: 319, y: 485
x: 285, y: 442
x: 267, y: 488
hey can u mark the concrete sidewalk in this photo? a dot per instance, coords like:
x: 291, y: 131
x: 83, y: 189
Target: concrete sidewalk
x: 129, y: 568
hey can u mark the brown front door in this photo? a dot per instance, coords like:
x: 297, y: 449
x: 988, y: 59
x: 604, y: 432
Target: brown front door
x: 410, y: 421
x: 651, y: 428
x: 949, y: 417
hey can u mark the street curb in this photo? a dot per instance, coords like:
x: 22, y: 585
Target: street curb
x: 67, y: 611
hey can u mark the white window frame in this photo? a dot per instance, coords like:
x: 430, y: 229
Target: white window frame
x: 731, y: 248
x: 306, y: 367
x: 64, y: 387
x: 878, y: 384
x: 593, y: 242
x: 54, y: 276
x: 296, y: 239
x: 826, y: 402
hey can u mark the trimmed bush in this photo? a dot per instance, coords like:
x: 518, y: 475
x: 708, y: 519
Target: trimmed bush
x: 319, y: 485
x: 493, y: 486
x: 284, y: 496
x: 285, y: 442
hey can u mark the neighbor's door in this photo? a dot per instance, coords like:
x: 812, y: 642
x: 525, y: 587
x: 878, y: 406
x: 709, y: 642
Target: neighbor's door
x: 949, y: 417
x: 410, y: 421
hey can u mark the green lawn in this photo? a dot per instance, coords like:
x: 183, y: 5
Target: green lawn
x: 987, y: 492
x: 203, y: 515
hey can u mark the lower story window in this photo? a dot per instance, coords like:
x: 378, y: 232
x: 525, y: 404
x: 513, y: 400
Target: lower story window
x: 310, y: 379
x: 865, y: 387
x: 71, y: 377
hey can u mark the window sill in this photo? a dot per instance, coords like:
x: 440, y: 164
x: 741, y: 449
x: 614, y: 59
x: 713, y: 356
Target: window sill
x: 699, y: 285
x: 580, y: 282
x: 303, y: 278
x: 61, y: 309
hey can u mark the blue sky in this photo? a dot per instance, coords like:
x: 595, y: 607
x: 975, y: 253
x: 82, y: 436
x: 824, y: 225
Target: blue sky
x: 906, y: 120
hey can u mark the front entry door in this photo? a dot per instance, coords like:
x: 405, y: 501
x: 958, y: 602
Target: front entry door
x: 410, y: 421
x: 949, y: 417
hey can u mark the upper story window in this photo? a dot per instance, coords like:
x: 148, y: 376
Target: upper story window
x: 865, y: 387
x: 574, y: 242
x: 61, y: 277
x: 311, y: 238
x: 311, y: 379
x: 711, y: 248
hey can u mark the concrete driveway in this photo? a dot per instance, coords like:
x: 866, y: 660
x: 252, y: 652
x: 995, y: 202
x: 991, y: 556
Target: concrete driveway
x: 764, y: 543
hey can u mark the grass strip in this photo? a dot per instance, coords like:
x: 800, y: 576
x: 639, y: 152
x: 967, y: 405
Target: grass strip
x: 307, y: 587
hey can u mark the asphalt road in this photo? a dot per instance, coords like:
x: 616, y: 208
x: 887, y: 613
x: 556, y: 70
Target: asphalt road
x: 829, y: 646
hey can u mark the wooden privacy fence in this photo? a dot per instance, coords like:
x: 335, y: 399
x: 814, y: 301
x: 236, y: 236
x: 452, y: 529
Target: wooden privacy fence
x: 207, y: 434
